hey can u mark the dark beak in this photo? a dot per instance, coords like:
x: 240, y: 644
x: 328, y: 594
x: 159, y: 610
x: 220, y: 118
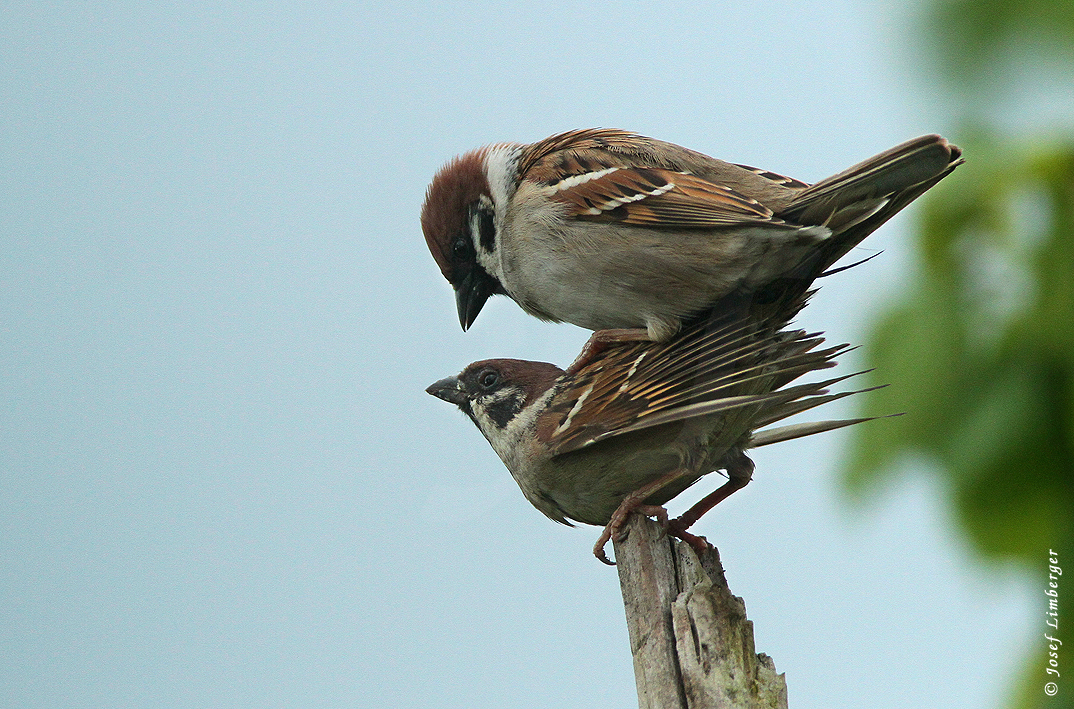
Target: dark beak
x: 449, y: 389
x: 471, y: 294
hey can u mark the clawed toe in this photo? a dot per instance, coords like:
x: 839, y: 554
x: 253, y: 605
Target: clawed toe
x: 598, y: 548
x: 601, y: 340
x: 700, y: 544
x: 616, y: 528
x: 655, y: 511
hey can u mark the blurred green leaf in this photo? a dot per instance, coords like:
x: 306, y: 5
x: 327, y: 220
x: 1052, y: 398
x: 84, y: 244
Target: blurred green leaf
x: 981, y: 355
x: 976, y: 36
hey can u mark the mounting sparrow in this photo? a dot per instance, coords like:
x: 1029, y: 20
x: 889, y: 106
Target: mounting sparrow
x: 642, y: 421
x: 631, y: 236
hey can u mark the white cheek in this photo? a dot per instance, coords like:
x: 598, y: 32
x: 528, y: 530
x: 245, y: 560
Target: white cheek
x: 485, y: 423
x: 501, y: 162
x: 489, y: 260
x: 476, y: 234
x: 513, y: 440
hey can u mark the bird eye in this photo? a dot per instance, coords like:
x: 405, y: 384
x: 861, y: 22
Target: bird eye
x: 459, y: 248
x: 488, y: 379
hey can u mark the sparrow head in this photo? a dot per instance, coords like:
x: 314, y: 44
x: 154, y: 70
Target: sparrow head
x: 495, y: 392
x: 458, y: 219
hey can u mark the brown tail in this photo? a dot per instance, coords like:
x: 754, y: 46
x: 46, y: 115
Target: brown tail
x: 858, y: 200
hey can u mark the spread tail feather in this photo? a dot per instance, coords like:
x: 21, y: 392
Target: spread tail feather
x: 855, y: 202
x: 799, y: 430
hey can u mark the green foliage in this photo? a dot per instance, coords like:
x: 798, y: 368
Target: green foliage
x: 981, y: 359
x: 975, y: 37
x: 981, y: 356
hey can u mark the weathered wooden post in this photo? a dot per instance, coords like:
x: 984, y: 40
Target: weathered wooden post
x: 689, y: 636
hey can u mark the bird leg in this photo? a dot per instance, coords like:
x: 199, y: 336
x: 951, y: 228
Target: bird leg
x: 700, y: 544
x: 634, y: 502
x: 600, y: 341
x: 739, y: 473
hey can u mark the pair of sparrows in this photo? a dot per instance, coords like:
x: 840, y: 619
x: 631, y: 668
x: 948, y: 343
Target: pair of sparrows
x: 688, y: 269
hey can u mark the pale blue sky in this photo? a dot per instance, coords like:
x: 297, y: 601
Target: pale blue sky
x: 221, y: 481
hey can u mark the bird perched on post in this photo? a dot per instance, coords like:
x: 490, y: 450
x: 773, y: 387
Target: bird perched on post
x: 631, y: 237
x: 642, y: 421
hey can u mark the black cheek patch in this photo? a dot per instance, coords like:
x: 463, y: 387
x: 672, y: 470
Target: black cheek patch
x: 487, y: 227
x: 501, y: 412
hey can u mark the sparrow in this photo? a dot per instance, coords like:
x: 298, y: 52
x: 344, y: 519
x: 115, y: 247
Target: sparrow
x: 642, y: 421
x: 632, y: 237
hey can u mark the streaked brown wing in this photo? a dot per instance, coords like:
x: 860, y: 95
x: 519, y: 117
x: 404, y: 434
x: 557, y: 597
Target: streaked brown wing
x: 657, y: 198
x: 576, y: 152
x: 781, y: 180
x: 698, y: 373
x: 613, y: 175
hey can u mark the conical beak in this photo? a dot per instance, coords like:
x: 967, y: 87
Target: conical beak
x: 449, y: 389
x: 471, y: 294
